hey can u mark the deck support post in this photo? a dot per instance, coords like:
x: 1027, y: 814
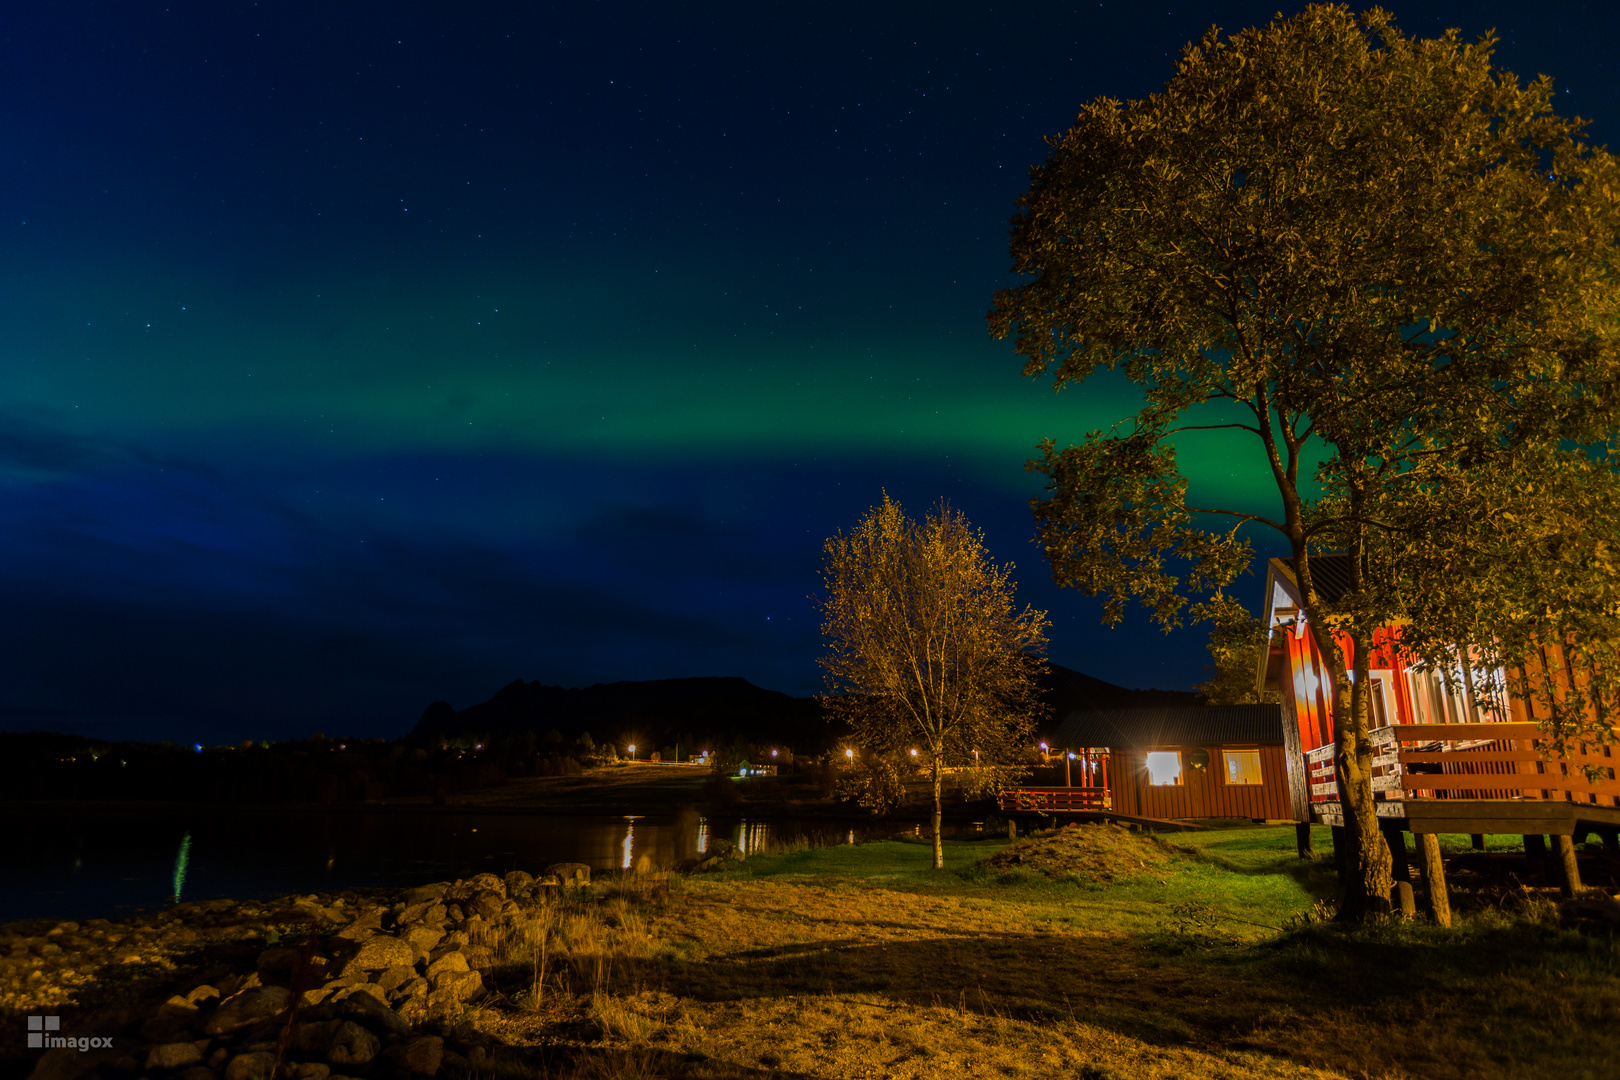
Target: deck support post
x: 1400, y: 899
x: 1478, y: 840
x: 1341, y: 848
x: 1535, y: 853
x: 1302, y: 839
x: 1396, y: 839
x: 1012, y: 830
x: 1570, y: 871
x: 1434, y: 876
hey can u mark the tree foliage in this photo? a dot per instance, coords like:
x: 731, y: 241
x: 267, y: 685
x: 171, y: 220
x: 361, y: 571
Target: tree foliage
x: 1391, y: 267
x: 1237, y: 644
x: 925, y: 647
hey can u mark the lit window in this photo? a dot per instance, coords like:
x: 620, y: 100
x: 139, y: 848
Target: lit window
x: 1242, y: 766
x: 1164, y: 767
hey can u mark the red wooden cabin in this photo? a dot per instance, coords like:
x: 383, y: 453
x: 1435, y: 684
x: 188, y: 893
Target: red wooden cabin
x: 1168, y: 762
x: 1457, y: 752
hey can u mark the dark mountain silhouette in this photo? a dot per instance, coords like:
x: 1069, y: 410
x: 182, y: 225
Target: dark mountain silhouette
x: 657, y: 712
x: 719, y: 710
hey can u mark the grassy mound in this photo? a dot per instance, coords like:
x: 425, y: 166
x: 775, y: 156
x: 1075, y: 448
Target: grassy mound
x: 1100, y: 852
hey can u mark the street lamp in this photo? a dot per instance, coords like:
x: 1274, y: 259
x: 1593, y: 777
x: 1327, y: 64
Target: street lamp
x: 632, y: 749
x: 849, y: 754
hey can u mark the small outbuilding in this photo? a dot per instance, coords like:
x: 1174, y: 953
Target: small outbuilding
x: 1196, y: 761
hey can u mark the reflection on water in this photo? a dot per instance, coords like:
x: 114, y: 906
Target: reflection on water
x: 85, y: 864
x: 181, y: 860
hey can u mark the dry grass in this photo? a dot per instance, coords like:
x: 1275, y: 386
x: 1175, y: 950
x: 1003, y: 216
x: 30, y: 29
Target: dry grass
x: 1094, y: 852
x: 854, y: 963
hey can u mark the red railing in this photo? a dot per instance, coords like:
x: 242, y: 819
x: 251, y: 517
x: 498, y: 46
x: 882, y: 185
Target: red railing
x: 1030, y: 800
x: 1473, y: 761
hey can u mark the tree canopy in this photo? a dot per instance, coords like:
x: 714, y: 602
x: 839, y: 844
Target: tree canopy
x: 1389, y: 265
x: 925, y: 646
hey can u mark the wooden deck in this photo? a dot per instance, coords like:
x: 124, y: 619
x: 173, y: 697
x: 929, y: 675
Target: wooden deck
x: 1476, y: 778
x: 1047, y: 800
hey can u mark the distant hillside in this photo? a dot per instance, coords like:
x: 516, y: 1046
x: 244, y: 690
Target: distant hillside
x: 658, y: 712
x: 661, y: 711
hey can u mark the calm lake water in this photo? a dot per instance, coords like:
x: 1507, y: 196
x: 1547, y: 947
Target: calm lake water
x: 78, y: 864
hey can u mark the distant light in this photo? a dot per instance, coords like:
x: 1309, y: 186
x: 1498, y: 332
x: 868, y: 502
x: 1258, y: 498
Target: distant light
x: 1043, y: 746
x: 849, y: 753
x: 773, y: 753
x: 1071, y: 755
x: 914, y: 752
x: 197, y: 747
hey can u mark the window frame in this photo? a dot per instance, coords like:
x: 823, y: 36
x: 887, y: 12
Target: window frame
x: 1259, y: 766
x: 1181, y: 768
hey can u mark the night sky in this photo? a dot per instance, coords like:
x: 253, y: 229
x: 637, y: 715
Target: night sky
x: 355, y: 356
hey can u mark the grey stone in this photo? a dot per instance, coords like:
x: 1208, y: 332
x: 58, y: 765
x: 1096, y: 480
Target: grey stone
x: 417, y: 987
x: 570, y: 873
x: 352, y: 1045
x: 314, y: 1037
x: 395, y: 977
x: 246, y: 1009
x: 173, y: 1055
x: 379, y: 953
x: 374, y: 1014
x: 420, y: 1056
x: 425, y: 938
x: 479, y: 957
x: 489, y: 882
x: 255, y: 1066
x: 451, y: 961
x: 371, y: 990
x: 456, y: 985
x: 486, y: 905
x: 426, y: 892
x: 517, y: 881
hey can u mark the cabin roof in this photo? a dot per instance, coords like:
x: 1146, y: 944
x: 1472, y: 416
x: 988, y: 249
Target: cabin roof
x: 1188, y: 725
x: 1331, y: 572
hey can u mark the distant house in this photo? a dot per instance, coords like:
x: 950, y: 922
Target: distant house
x: 1192, y: 761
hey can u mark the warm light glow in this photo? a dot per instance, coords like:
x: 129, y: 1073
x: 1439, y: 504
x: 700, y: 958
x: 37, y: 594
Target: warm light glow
x: 1164, y: 767
x: 913, y: 753
x: 849, y: 753
x: 1242, y: 766
x: 1043, y: 747
x: 773, y: 753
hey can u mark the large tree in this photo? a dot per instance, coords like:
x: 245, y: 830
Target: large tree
x: 1391, y: 267
x: 926, y: 649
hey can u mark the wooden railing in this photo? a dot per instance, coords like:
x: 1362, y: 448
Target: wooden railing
x: 1044, y: 799
x: 1473, y: 761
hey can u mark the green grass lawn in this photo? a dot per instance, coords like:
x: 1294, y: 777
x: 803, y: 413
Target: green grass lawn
x: 1214, y: 946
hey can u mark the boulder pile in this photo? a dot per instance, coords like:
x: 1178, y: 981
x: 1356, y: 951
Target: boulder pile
x: 343, y: 999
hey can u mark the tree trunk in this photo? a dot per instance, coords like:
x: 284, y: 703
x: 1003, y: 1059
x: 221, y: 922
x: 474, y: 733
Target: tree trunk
x: 1366, y: 886
x: 939, y: 843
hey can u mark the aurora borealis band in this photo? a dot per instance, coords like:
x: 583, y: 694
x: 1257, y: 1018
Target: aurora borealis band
x: 358, y: 356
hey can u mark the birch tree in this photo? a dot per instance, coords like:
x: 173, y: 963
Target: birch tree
x: 926, y: 649
x: 1388, y: 266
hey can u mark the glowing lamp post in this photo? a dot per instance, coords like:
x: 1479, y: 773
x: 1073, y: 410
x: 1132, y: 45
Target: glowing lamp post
x: 849, y: 755
x: 1067, y: 781
x: 632, y: 749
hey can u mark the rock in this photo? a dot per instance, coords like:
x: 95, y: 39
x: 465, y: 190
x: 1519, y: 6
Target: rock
x: 352, y: 1045
x: 571, y: 873
x: 510, y: 909
x: 277, y: 964
x: 379, y: 953
x: 315, y: 1037
x: 171, y: 1018
x: 451, y: 961
x: 312, y: 1070
x: 173, y: 1055
x: 371, y: 990
x: 426, y: 892
x: 364, y: 926
x: 427, y: 913
x: 454, y: 914
x: 203, y: 996
x: 488, y: 882
x: 376, y: 1014
x: 249, y: 1007
x: 197, y: 1072
x: 454, y: 1063
x: 395, y: 977
x: 317, y: 995
x: 486, y: 905
x: 417, y: 987
x: 550, y: 881
x: 479, y: 957
x: 518, y: 881
x: 420, y: 1056
x: 255, y: 1066
x: 455, y: 986
x: 423, y: 937
x: 66, y: 1063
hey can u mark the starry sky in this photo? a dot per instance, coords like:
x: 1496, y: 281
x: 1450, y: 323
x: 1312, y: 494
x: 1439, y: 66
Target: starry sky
x: 356, y: 356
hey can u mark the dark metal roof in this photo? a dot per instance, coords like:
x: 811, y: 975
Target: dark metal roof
x: 1196, y: 725
x: 1331, y: 573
